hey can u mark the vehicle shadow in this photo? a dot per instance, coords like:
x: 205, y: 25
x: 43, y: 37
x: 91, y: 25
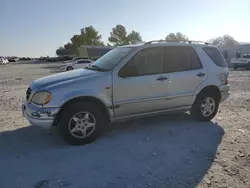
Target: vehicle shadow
x: 240, y: 69
x: 161, y: 151
x: 54, y: 68
x: 35, y: 62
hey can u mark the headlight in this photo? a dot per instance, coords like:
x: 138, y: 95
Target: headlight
x: 42, y: 97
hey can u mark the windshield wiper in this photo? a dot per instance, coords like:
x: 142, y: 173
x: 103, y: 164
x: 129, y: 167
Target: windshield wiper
x: 95, y: 67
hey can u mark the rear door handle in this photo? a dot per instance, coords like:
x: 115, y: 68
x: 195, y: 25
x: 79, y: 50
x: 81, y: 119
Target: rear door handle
x: 201, y: 74
x: 162, y: 78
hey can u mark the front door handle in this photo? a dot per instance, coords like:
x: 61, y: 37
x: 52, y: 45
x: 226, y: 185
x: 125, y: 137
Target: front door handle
x: 201, y: 74
x: 162, y: 78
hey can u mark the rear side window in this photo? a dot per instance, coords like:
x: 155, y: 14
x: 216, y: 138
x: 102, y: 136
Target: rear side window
x: 180, y: 58
x: 215, y: 56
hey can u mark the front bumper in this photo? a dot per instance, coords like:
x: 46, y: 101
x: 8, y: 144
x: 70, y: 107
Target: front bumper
x: 225, y: 92
x: 39, y: 116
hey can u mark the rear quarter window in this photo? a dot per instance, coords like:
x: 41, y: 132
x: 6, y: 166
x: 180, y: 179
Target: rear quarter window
x: 215, y: 55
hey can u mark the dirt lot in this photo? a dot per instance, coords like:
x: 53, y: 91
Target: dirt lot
x: 167, y: 151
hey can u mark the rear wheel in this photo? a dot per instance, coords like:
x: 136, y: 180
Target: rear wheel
x: 81, y: 123
x: 235, y: 67
x: 69, y: 68
x: 205, y: 106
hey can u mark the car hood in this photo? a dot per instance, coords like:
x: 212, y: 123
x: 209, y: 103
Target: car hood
x: 61, y: 77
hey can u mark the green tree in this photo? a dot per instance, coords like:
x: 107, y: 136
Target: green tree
x: 119, y: 36
x: 134, y: 37
x: 176, y: 37
x: 61, y: 51
x: 76, y: 43
x: 88, y: 36
x: 224, y: 41
x: 67, y: 49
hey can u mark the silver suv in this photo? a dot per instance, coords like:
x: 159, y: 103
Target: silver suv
x: 128, y: 82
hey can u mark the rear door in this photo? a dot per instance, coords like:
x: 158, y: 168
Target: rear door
x: 186, y: 73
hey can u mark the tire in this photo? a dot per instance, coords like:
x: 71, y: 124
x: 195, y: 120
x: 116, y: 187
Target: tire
x: 235, y: 67
x: 69, y: 68
x: 72, y: 115
x: 198, y: 106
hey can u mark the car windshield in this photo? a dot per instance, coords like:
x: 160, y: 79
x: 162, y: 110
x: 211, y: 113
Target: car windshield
x: 110, y: 59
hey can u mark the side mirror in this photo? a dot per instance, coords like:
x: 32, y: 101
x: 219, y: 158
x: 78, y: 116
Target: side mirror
x: 128, y: 71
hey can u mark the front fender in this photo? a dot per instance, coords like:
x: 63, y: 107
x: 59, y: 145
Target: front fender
x: 104, y: 96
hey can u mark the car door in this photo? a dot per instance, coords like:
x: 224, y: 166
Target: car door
x: 140, y: 86
x: 81, y: 64
x: 186, y: 73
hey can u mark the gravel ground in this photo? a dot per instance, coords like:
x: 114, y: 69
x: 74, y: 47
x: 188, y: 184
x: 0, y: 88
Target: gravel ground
x: 164, y: 151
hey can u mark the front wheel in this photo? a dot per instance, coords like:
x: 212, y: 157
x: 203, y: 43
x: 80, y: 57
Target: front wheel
x: 205, y: 107
x: 81, y: 123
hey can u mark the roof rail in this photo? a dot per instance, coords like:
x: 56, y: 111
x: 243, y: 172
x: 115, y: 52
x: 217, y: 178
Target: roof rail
x: 184, y: 41
x: 194, y: 41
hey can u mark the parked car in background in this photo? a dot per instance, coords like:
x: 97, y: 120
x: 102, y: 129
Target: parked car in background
x: 128, y: 82
x: 6, y: 60
x: 3, y: 60
x: 242, y: 62
x: 14, y: 59
x: 80, y: 63
x: 52, y: 59
x: 24, y: 58
x: 74, y: 59
x: 42, y: 58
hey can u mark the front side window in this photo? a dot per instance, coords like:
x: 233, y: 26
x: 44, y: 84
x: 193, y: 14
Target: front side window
x: 148, y: 61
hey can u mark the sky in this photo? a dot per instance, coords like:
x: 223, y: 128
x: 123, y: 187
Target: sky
x: 37, y: 28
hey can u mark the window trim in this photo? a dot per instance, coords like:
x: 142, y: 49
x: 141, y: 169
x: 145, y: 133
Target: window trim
x: 201, y: 66
x: 119, y: 72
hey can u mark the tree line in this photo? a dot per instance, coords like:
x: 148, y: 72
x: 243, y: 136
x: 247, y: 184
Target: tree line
x: 120, y: 36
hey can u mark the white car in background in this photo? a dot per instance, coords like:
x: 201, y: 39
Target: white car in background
x: 74, y: 59
x: 78, y: 64
x: 3, y: 61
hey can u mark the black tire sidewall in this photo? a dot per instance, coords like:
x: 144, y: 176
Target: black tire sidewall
x: 196, y: 108
x: 68, y: 113
x: 69, y: 68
